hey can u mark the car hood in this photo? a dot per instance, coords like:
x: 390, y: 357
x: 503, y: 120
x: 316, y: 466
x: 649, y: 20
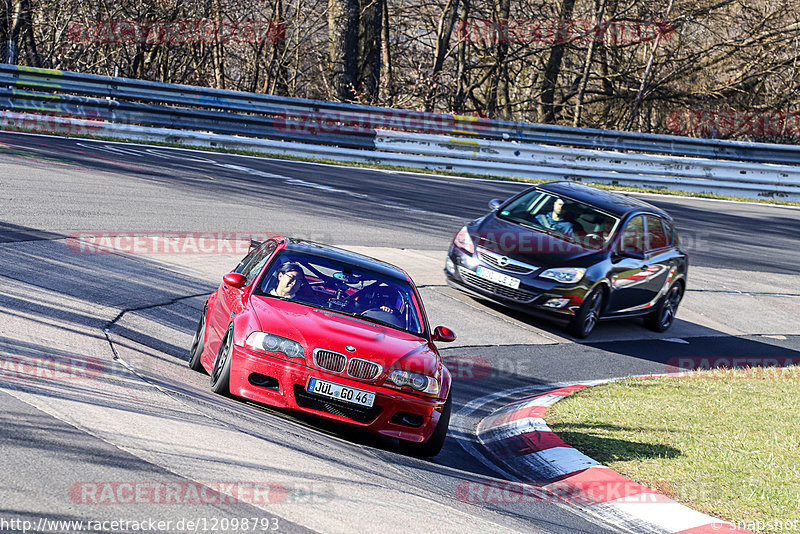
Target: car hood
x: 528, y: 245
x: 318, y: 328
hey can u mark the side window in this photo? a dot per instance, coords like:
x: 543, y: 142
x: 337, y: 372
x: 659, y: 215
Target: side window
x: 633, y: 235
x: 252, y: 264
x: 658, y: 236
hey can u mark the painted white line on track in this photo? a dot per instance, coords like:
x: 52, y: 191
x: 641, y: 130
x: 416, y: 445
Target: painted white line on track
x: 288, y: 180
x: 390, y: 171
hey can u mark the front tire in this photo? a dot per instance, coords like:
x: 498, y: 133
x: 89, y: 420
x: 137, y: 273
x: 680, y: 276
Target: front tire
x: 583, y: 323
x: 198, y: 344
x: 221, y: 373
x: 434, y: 445
x: 664, y: 314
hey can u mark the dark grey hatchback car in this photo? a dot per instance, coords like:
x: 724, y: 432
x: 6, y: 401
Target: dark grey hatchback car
x: 573, y: 253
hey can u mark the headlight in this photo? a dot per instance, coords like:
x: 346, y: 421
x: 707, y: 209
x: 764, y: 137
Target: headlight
x: 264, y: 342
x: 463, y: 241
x: 422, y: 383
x: 566, y: 275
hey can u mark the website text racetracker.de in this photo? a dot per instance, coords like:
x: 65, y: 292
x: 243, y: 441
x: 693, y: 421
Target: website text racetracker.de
x: 151, y: 243
x: 194, y: 524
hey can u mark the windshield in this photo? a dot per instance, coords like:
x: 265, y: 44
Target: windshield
x: 562, y: 217
x: 344, y: 288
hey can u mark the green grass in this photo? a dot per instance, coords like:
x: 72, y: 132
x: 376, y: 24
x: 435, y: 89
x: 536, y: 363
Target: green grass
x: 644, y: 189
x: 727, y: 444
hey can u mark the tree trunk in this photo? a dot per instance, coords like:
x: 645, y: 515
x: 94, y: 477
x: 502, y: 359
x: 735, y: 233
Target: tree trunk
x: 460, y: 98
x: 547, y: 111
x: 646, y: 78
x: 587, y: 67
x: 443, y: 33
x: 370, y: 49
x: 386, y: 92
x: 343, y: 43
x: 276, y: 78
x: 497, y: 105
x: 217, y: 51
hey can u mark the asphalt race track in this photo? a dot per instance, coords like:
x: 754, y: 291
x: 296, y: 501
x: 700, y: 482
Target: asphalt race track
x: 102, y: 418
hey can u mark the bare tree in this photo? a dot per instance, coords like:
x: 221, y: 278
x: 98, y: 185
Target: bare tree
x: 547, y: 110
x: 343, y: 19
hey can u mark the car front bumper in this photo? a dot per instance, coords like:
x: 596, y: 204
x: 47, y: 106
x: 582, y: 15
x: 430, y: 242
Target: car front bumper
x: 276, y: 382
x: 531, y: 297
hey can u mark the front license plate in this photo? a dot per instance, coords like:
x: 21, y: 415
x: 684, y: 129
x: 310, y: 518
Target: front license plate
x: 498, y: 278
x: 340, y: 392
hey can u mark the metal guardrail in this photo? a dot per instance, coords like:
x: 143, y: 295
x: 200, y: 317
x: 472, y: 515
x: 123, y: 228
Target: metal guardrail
x: 121, y: 107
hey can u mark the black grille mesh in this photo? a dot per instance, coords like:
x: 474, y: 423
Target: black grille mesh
x: 514, y: 294
x: 313, y: 401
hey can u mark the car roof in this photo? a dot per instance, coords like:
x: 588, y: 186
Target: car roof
x: 613, y: 203
x: 345, y: 256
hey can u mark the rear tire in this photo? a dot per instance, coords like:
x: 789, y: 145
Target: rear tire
x: 583, y: 323
x: 664, y: 315
x: 434, y: 445
x: 198, y: 344
x: 221, y: 373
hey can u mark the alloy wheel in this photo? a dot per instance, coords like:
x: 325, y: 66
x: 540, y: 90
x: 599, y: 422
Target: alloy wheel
x: 222, y: 359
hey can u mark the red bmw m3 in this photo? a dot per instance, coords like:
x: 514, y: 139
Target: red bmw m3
x: 321, y: 330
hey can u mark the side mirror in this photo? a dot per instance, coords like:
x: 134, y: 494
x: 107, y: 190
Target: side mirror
x: 495, y: 203
x: 442, y: 333
x: 234, y: 280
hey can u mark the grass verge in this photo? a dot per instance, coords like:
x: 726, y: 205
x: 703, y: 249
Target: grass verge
x: 655, y: 190
x: 722, y: 443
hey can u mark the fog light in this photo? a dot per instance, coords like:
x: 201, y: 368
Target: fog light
x: 450, y: 266
x: 556, y: 303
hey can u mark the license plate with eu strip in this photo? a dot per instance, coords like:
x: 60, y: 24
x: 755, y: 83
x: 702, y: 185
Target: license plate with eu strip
x: 332, y: 390
x: 498, y: 278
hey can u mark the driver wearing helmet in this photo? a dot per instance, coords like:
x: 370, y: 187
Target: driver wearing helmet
x: 388, y: 299
x: 385, y: 303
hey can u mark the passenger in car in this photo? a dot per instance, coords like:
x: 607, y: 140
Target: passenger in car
x: 290, y: 279
x: 292, y: 284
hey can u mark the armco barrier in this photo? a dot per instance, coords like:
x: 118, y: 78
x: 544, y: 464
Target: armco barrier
x: 153, y: 111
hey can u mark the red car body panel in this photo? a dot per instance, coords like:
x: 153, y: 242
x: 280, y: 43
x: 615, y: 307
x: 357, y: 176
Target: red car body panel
x: 325, y: 329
